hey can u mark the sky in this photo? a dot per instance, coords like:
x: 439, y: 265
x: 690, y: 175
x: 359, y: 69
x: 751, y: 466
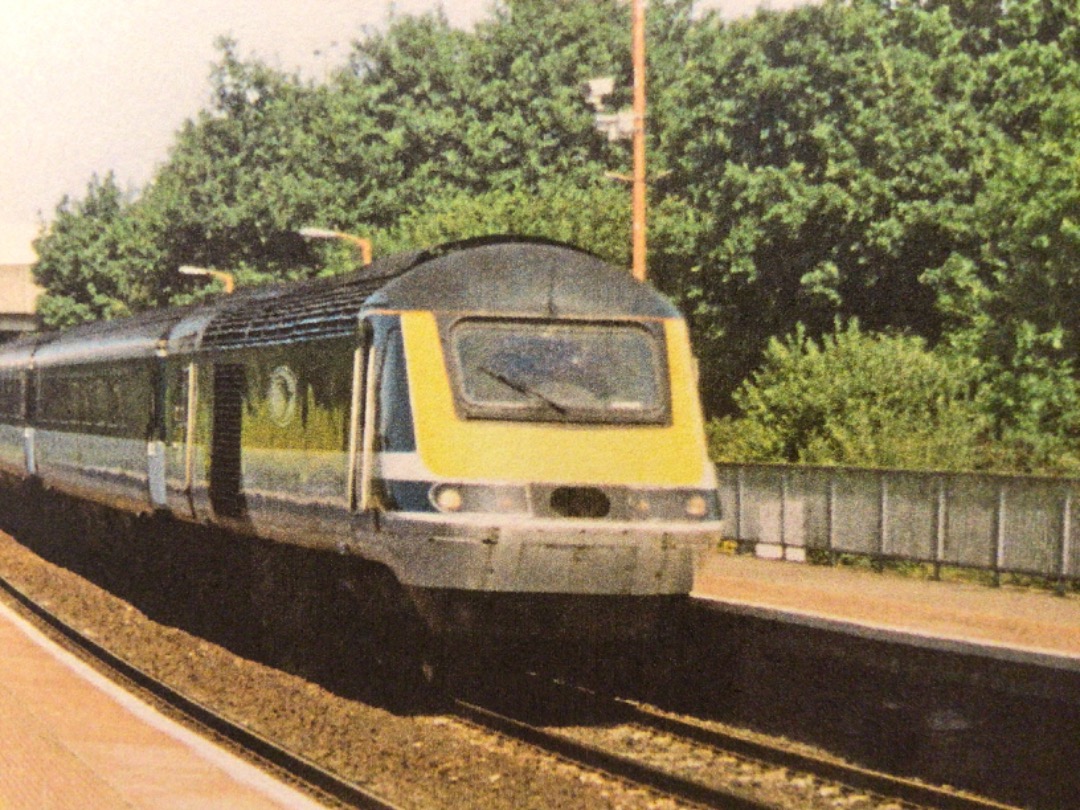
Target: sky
x: 93, y: 86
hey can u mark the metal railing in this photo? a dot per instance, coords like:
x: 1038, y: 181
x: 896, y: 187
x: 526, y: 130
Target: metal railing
x: 999, y: 523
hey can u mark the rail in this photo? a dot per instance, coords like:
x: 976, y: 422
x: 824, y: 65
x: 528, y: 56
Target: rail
x: 318, y: 781
x: 687, y: 758
x: 998, y: 523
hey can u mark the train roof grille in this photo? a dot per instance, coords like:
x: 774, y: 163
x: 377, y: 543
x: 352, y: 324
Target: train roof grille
x: 320, y: 308
x: 497, y: 275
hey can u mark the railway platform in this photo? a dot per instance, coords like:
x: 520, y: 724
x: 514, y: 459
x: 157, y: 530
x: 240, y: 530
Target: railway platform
x: 1020, y: 625
x: 71, y: 738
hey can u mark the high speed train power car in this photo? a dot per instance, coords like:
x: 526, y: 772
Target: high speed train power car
x: 510, y: 428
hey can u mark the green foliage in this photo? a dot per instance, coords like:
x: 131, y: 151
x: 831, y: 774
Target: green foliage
x: 1033, y: 397
x: 243, y: 176
x: 440, y: 112
x: 596, y: 219
x: 836, y: 151
x: 92, y: 259
x: 856, y: 398
x: 910, y: 165
x: 1012, y: 301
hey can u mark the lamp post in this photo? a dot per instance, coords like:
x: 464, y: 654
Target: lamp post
x: 226, y: 278
x: 639, y: 202
x: 359, y: 242
x: 629, y: 123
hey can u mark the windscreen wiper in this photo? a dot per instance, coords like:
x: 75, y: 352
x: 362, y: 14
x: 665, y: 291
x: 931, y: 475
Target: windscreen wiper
x: 523, y: 388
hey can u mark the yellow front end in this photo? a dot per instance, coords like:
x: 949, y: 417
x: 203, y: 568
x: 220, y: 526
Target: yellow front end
x: 453, y: 448
x: 521, y: 547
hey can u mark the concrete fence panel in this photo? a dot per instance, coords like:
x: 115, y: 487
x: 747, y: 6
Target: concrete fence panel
x: 993, y: 522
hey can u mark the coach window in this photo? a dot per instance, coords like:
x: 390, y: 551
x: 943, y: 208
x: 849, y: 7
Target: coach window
x: 11, y: 396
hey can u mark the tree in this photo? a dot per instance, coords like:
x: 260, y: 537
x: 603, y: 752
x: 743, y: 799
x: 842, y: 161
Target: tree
x: 834, y: 153
x: 421, y: 115
x: 92, y: 259
x: 857, y: 398
x: 594, y: 218
x: 1010, y: 300
x: 1025, y: 326
x: 243, y: 176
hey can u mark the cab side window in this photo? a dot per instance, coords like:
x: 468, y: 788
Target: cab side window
x: 395, y: 428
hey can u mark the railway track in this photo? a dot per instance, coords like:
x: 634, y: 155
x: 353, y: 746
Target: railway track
x: 632, y: 742
x: 306, y: 775
x: 681, y: 757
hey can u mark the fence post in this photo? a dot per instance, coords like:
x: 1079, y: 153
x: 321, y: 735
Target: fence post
x: 883, y: 515
x: 999, y: 545
x: 1066, y: 531
x: 739, y: 506
x: 939, y: 527
x: 783, y: 513
x: 830, y: 515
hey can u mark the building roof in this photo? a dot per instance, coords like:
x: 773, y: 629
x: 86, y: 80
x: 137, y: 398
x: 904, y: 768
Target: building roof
x: 18, y: 292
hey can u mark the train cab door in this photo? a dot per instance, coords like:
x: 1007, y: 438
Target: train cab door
x: 362, y: 430
x: 385, y: 433
x: 206, y: 408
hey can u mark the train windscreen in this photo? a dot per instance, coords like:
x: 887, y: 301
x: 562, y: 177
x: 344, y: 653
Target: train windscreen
x: 560, y: 371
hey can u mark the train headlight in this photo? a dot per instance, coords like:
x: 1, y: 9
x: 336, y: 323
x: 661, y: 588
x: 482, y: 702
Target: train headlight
x: 479, y: 499
x: 696, y: 506
x: 447, y: 499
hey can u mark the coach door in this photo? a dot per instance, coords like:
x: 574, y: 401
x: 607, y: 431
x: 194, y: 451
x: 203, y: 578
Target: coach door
x: 156, y: 459
x: 226, y: 432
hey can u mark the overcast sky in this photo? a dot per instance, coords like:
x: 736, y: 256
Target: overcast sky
x: 92, y: 86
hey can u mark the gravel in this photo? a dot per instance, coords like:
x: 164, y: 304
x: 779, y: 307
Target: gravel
x: 423, y: 759
x: 182, y: 622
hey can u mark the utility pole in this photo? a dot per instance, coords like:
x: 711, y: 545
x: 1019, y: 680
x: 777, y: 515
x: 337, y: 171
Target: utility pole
x: 628, y: 123
x: 639, y: 176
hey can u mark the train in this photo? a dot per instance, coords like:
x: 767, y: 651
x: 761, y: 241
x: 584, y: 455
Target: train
x: 509, y: 428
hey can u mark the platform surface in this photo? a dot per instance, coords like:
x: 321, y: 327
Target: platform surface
x: 1024, y: 624
x: 70, y: 738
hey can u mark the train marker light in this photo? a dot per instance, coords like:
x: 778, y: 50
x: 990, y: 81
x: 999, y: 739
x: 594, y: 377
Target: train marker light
x: 447, y: 499
x: 697, y: 506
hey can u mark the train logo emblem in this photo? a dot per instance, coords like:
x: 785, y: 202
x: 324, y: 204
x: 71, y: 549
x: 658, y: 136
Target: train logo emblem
x: 281, y: 396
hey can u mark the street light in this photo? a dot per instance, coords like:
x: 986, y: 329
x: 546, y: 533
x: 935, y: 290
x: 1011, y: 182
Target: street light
x: 359, y: 242
x: 628, y: 124
x: 226, y: 278
x: 638, y: 47
x: 596, y: 90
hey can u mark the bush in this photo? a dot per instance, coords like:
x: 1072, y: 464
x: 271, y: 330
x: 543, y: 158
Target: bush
x: 856, y: 398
